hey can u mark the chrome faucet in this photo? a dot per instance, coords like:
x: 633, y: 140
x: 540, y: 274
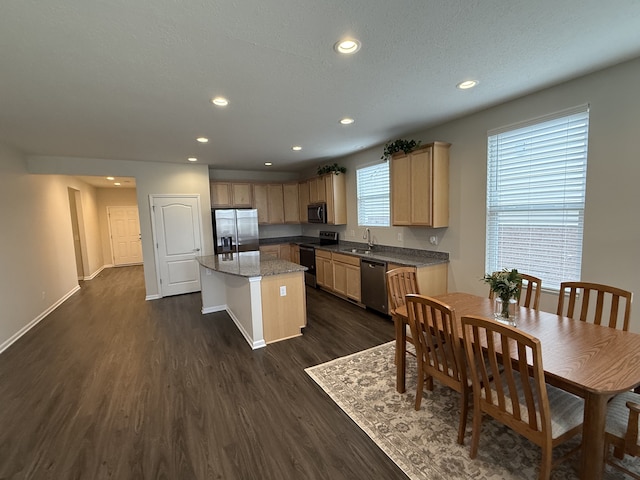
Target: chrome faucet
x: 367, y: 236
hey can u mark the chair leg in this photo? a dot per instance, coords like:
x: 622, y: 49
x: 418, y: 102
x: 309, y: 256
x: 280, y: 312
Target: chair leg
x: 464, y: 412
x: 475, y: 433
x: 545, y: 464
x: 420, y: 386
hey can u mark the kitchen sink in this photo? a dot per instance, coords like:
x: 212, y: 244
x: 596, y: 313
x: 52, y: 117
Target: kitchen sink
x: 359, y: 251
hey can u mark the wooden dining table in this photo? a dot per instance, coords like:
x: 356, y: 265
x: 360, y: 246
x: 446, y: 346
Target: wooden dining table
x: 591, y: 361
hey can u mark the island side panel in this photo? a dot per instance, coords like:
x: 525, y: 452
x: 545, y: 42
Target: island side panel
x: 283, y: 316
x: 213, y: 291
x: 245, y: 307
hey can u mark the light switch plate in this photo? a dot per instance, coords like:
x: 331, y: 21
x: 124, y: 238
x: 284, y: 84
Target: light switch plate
x: 283, y: 291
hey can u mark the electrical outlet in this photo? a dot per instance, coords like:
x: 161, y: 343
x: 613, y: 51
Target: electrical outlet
x: 399, y: 236
x: 352, y: 233
x: 283, y: 291
x: 43, y: 295
x: 433, y: 240
x: 208, y: 271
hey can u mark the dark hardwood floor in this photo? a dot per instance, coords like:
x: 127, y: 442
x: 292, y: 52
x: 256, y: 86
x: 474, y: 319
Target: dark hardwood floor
x: 112, y: 386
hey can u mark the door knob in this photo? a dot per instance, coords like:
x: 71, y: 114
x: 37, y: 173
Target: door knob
x: 196, y: 249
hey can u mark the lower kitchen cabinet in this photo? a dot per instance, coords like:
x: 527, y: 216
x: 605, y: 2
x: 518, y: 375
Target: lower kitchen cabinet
x: 346, y: 276
x: 432, y: 279
x: 271, y: 250
x: 324, y: 269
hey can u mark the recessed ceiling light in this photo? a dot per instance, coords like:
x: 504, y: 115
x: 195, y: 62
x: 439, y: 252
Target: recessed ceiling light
x: 117, y: 184
x: 467, y: 84
x: 192, y: 159
x: 268, y: 164
x: 297, y: 148
x: 110, y: 178
x: 220, y: 101
x: 347, y: 121
x: 347, y: 46
x: 202, y: 139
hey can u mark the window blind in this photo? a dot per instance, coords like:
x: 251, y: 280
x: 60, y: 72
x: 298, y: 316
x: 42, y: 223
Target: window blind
x: 536, y: 177
x: 373, y: 195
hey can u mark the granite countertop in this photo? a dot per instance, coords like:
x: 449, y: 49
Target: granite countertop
x: 248, y: 264
x: 402, y: 256
x: 409, y: 257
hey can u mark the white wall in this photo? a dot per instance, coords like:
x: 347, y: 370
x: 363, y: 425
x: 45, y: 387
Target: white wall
x: 611, y: 252
x: 37, y: 264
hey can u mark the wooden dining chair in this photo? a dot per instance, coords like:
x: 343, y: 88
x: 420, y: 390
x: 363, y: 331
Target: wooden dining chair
x: 545, y: 415
x: 400, y: 282
x: 530, y: 291
x: 439, y: 351
x: 622, y: 430
x: 581, y: 304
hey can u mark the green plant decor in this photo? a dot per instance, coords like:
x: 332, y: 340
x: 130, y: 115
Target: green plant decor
x: 406, y: 146
x: 505, y: 284
x: 335, y: 169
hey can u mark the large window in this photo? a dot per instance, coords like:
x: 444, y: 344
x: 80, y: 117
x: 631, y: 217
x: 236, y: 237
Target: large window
x: 373, y: 195
x: 536, y: 176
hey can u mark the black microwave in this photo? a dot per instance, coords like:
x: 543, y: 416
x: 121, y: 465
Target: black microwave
x: 317, y: 213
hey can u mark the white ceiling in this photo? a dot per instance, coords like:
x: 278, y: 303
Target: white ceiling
x: 133, y: 79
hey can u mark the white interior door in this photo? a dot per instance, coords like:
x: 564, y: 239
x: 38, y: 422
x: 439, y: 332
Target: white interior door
x: 177, y: 234
x: 124, y: 227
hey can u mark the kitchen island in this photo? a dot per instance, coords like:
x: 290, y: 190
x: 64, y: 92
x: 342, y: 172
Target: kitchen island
x: 263, y: 295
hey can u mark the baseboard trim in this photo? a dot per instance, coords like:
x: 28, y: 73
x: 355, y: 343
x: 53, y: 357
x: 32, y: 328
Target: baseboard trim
x: 14, y: 338
x: 94, y: 274
x: 217, y: 308
x: 254, y: 344
x: 155, y: 296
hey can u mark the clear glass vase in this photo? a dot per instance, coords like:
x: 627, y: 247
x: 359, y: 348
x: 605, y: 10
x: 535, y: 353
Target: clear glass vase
x: 506, y: 311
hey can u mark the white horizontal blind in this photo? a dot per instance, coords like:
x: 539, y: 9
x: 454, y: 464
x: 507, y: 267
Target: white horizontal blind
x: 373, y: 195
x: 536, y: 176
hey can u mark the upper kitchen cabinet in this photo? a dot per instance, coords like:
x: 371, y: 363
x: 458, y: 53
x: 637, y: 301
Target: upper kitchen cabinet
x: 317, y: 192
x: 291, y: 203
x: 335, y: 189
x: 420, y: 186
x: 230, y: 194
x: 303, y: 200
x: 275, y: 200
x: 261, y: 202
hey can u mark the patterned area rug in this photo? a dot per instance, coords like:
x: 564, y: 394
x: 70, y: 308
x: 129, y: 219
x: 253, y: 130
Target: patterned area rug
x: 423, y: 443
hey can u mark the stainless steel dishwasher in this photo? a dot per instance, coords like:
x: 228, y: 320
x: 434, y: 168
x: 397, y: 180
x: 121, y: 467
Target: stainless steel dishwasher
x: 374, y: 284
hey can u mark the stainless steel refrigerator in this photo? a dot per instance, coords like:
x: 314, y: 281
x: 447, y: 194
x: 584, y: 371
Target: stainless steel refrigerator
x: 235, y: 230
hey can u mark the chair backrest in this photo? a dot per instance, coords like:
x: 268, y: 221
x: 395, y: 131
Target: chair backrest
x: 400, y: 282
x: 438, y: 341
x: 595, y: 303
x: 530, y: 292
x: 487, y: 343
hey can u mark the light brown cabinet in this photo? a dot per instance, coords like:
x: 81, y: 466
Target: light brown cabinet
x: 285, y: 251
x: 346, y: 276
x: 432, y: 279
x: 261, y: 202
x: 230, y: 195
x: 291, y: 203
x: 317, y: 191
x: 420, y: 186
x: 324, y: 269
x: 303, y: 200
x: 273, y: 250
x: 295, y: 253
x: 336, y: 197
x: 275, y: 203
